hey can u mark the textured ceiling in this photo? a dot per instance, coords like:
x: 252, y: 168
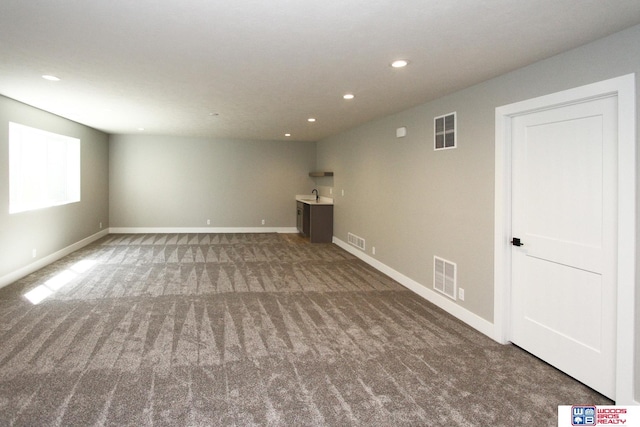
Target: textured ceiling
x: 266, y: 66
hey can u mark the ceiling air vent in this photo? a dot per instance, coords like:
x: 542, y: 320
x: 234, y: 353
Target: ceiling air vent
x: 444, y: 277
x: 444, y: 132
x: 356, y: 241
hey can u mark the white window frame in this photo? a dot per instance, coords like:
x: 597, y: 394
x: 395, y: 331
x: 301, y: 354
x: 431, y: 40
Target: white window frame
x: 44, y: 169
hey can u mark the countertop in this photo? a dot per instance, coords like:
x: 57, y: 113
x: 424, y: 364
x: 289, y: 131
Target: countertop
x: 310, y: 199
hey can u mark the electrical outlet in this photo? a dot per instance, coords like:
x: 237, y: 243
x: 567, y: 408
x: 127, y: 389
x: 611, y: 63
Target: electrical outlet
x: 330, y: 191
x: 33, y: 253
x: 343, y: 191
x: 100, y: 226
x: 263, y: 222
x: 208, y: 222
x: 373, y: 250
x: 461, y: 294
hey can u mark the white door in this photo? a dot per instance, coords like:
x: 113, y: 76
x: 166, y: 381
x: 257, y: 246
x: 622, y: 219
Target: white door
x: 563, y: 294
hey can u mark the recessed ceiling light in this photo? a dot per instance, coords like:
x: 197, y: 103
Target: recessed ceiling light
x: 140, y: 129
x: 287, y: 134
x: 311, y: 119
x: 399, y: 63
x: 51, y: 78
x: 348, y: 96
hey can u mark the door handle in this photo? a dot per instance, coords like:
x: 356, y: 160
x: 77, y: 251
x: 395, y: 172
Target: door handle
x: 516, y: 242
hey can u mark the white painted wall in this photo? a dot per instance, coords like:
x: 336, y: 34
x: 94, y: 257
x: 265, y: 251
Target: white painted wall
x: 171, y: 182
x: 52, y: 229
x: 412, y: 203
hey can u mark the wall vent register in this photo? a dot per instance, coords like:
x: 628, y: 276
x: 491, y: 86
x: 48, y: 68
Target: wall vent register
x: 444, y: 277
x: 444, y: 136
x: 356, y: 241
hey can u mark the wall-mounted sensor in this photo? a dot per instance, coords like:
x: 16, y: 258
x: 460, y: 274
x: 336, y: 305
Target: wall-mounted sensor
x: 401, y: 132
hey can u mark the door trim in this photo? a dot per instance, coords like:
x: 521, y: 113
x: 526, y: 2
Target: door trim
x: 624, y: 88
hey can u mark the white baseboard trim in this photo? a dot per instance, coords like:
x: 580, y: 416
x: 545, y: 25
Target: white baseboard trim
x: 444, y: 303
x: 44, y: 261
x: 151, y: 230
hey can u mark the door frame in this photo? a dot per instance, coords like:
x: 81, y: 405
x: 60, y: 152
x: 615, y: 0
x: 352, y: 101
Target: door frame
x: 624, y: 88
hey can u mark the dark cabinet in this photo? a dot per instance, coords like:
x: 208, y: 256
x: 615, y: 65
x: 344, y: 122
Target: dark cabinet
x: 302, y: 222
x: 299, y: 213
x: 315, y: 222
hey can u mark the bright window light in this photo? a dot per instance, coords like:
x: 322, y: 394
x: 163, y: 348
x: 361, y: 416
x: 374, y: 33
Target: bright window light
x: 83, y: 265
x: 38, y: 294
x: 44, y: 169
x: 60, y: 279
x: 54, y: 284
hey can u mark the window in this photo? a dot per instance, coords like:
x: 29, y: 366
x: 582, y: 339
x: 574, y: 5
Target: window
x: 445, y: 132
x: 44, y: 169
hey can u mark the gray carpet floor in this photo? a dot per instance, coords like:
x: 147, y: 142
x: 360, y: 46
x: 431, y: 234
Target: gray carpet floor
x: 252, y: 329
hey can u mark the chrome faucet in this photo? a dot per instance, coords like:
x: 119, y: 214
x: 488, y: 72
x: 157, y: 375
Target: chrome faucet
x: 317, y: 195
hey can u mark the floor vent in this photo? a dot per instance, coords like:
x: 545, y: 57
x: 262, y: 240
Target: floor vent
x: 444, y: 277
x: 356, y: 241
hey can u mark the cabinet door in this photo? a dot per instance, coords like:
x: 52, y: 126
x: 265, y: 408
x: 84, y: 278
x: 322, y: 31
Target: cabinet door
x: 299, y: 216
x: 321, y: 224
x: 306, y: 223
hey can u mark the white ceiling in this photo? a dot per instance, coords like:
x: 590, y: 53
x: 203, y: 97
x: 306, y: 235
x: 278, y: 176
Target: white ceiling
x: 266, y: 66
